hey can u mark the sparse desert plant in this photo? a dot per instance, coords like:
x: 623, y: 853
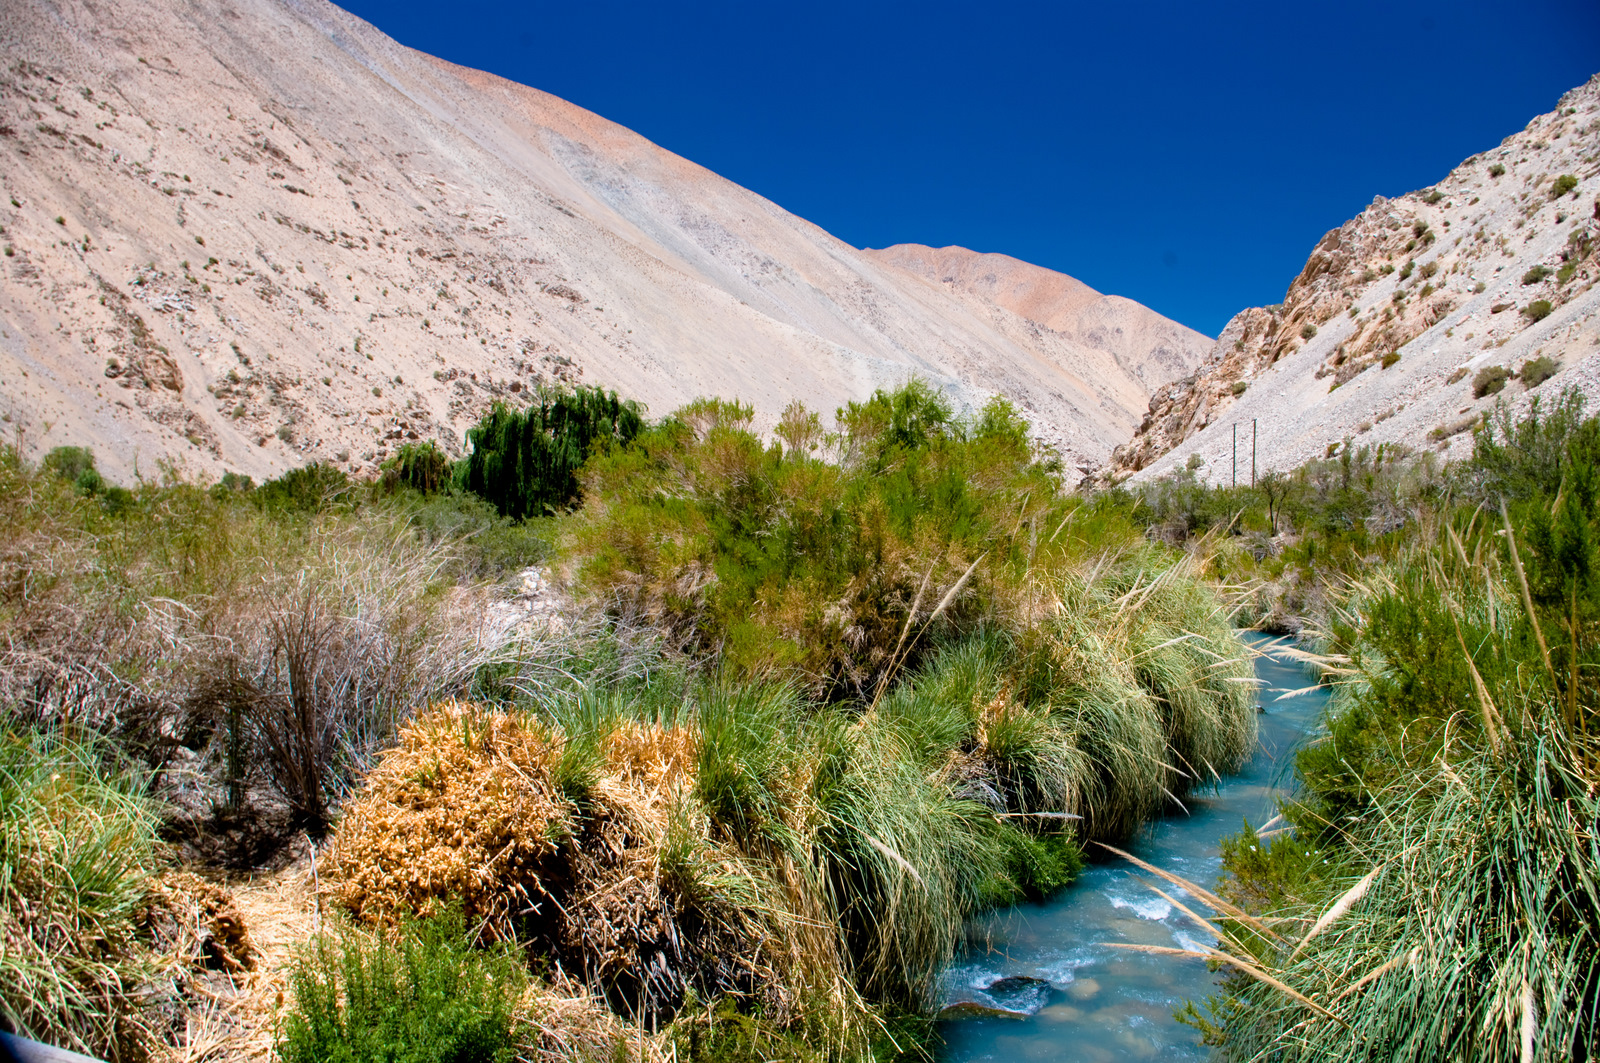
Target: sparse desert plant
x: 1307, y: 331
x: 1538, y: 310
x: 1459, y: 373
x: 1390, y: 359
x: 1433, y: 196
x: 1497, y: 170
x: 1562, y: 185
x: 1536, y: 371
x: 1536, y: 274
x: 1239, y: 387
x: 1489, y: 380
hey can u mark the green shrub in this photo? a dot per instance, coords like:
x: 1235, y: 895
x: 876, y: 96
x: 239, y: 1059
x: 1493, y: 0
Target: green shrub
x: 1538, y: 310
x: 1307, y: 331
x: 1390, y: 359
x: 420, y: 466
x: 1433, y: 196
x: 1562, y: 185
x: 1490, y: 380
x: 1239, y: 387
x: 776, y: 559
x: 1536, y: 371
x: 1410, y: 265
x: 308, y: 489
x: 1535, y: 275
x: 76, y: 466
x: 525, y: 463
x: 1430, y: 268
x: 430, y: 997
x: 1497, y: 170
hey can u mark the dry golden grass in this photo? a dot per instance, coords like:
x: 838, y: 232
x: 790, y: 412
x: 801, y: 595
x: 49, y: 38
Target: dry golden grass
x: 464, y: 808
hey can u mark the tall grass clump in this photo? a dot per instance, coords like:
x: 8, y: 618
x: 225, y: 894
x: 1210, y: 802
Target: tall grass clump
x: 77, y: 847
x: 1434, y: 895
x: 280, y: 634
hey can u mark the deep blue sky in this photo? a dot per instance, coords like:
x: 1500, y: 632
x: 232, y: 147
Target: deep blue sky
x: 1182, y: 154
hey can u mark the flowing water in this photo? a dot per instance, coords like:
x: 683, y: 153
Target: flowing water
x: 1096, y: 1003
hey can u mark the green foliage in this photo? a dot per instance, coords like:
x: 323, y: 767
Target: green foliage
x: 1530, y: 458
x: 1562, y: 185
x: 429, y: 997
x: 420, y: 466
x: 1307, y: 331
x: 525, y: 463
x: 1405, y: 273
x: 1490, y: 380
x: 1535, y: 275
x: 485, y: 544
x: 780, y: 561
x: 309, y: 489
x: 1536, y: 371
x: 76, y: 466
x: 77, y: 846
x: 724, y: 1034
x: 1390, y: 359
x: 1456, y: 783
x: 1432, y: 196
x: 1239, y: 387
x: 1497, y: 170
x: 1538, y: 310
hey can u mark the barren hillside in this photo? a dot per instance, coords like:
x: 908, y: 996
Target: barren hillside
x: 1397, y: 312
x: 242, y: 234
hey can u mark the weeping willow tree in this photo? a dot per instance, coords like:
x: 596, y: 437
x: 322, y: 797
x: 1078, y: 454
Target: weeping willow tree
x: 525, y: 463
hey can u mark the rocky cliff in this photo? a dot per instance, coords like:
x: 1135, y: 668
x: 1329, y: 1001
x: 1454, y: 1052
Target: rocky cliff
x: 1386, y: 334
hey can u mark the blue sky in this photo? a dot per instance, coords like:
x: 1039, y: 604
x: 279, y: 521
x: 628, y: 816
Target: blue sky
x: 1185, y: 155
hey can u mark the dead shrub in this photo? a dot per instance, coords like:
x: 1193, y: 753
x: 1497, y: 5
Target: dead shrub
x: 469, y: 808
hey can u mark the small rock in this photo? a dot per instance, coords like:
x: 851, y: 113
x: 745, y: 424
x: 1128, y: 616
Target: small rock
x: 1083, y: 989
x: 971, y: 1009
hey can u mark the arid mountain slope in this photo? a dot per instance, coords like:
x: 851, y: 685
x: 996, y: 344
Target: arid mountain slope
x: 1381, y: 337
x: 1061, y: 318
x: 245, y: 233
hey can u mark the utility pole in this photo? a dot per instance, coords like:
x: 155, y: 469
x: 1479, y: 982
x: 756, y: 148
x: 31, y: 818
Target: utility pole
x: 1252, y: 452
x: 1236, y: 453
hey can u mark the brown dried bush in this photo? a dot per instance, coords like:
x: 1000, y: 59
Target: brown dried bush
x: 470, y: 808
x: 464, y: 808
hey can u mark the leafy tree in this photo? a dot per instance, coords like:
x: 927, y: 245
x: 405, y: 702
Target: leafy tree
x: 525, y: 463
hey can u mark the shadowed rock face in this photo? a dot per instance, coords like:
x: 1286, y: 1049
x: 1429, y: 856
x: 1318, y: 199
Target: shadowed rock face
x: 283, y: 236
x: 1379, y: 338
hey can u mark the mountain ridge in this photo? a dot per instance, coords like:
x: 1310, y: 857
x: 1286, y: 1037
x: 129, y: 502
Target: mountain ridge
x: 1381, y: 336
x: 285, y: 237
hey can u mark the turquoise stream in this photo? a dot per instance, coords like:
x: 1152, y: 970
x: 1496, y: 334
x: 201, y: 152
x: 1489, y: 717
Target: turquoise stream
x: 1113, y: 1004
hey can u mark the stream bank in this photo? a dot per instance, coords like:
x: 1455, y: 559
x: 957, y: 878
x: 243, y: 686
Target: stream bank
x: 1084, y: 1000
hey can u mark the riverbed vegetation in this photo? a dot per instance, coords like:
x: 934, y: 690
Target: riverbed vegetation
x: 1432, y: 891
x: 811, y: 700
x: 814, y: 700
